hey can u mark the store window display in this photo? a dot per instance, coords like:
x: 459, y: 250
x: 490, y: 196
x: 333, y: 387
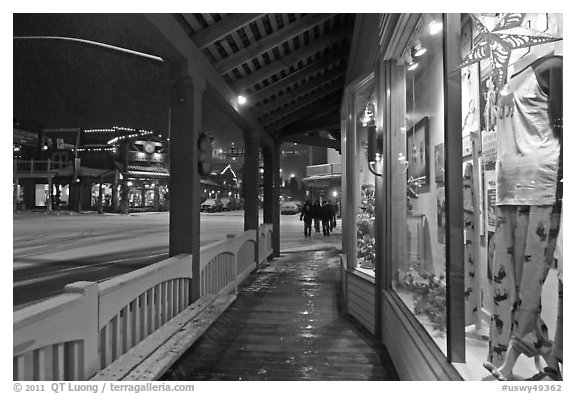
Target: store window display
x: 365, y: 198
x: 419, y: 205
x: 530, y: 115
x: 512, y: 213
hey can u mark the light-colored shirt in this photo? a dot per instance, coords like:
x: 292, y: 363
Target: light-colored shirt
x: 528, y: 150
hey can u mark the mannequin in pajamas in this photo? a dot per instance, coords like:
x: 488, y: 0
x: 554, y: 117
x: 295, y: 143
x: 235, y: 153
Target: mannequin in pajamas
x: 528, y: 167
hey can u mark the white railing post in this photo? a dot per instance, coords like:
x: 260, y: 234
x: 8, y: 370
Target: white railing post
x: 234, y: 265
x: 89, y: 323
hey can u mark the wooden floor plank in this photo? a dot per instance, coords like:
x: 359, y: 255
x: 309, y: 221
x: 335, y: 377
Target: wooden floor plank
x: 287, y: 323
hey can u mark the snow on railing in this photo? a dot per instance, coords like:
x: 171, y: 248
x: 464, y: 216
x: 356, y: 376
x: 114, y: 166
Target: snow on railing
x: 264, y: 242
x: 74, y: 335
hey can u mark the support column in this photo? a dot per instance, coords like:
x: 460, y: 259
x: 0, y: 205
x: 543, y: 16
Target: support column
x: 186, y: 124
x: 268, y: 155
x: 143, y: 194
x: 100, y: 199
x: 250, y: 184
x: 49, y: 202
x: 157, y: 195
x: 383, y: 114
x: 454, y: 200
x: 16, y: 180
x: 115, y: 192
x: 271, y: 194
x: 276, y: 205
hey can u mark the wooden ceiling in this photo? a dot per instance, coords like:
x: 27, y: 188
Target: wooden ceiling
x: 290, y: 67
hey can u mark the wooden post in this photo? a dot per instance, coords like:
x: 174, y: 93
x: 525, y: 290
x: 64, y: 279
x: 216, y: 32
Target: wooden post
x: 250, y: 182
x: 115, y: 191
x: 100, y: 202
x: 268, y: 155
x: 454, y: 203
x: 275, y: 197
x: 186, y: 124
x: 16, y: 186
x: 49, y: 202
x: 89, y: 321
x: 143, y: 194
x: 157, y: 195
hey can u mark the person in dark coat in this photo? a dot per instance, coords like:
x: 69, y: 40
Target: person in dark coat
x: 316, y: 209
x: 334, y: 208
x: 326, y: 216
x: 307, y: 214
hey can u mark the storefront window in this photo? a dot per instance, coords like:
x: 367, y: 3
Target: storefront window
x: 418, y: 189
x: 364, y: 111
x: 501, y: 110
x: 41, y: 194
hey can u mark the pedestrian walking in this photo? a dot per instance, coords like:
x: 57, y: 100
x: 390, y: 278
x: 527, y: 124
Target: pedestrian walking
x: 333, y: 217
x: 316, y: 209
x: 307, y: 216
x: 326, y: 216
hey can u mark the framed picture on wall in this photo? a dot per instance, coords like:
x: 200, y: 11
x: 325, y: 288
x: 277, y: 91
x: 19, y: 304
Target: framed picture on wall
x: 439, y: 163
x: 417, y: 148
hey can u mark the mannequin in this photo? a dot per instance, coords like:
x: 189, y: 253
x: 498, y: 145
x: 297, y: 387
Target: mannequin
x: 528, y: 167
x: 470, y: 280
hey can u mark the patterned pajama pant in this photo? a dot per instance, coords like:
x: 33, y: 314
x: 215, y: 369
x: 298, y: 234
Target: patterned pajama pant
x: 525, y: 237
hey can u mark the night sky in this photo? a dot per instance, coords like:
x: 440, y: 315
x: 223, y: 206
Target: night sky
x: 67, y: 85
x: 71, y: 85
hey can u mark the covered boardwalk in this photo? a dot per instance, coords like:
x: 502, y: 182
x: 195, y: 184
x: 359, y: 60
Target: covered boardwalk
x: 288, y: 323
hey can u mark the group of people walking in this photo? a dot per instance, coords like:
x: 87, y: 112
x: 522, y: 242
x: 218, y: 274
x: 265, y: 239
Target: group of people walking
x: 324, y: 213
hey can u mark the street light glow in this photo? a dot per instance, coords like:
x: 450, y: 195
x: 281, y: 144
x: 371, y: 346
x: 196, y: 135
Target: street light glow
x: 241, y: 100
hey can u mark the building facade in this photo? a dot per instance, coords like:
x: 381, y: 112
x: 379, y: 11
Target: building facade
x: 425, y: 160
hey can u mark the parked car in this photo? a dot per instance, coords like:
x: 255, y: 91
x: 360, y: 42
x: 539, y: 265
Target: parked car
x: 299, y: 204
x: 211, y: 205
x: 288, y: 208
x: 229, y: 204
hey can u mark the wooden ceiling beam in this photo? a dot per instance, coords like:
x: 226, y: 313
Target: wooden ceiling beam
x: 321, y: 93
x: 304, y: 72
x: 314, y: 141
x: 290, y: 59
x: 220, y: 29
x: 325, y: 122
x: 293, y: 94
x: 326, y: 103
x: 273, y: 40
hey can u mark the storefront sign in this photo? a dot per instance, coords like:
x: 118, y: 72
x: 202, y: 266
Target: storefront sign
x: 23, y: 137
x: 235, y: 152
x: 147, y: 157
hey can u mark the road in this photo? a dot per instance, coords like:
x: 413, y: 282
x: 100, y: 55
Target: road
x: 50, y: 251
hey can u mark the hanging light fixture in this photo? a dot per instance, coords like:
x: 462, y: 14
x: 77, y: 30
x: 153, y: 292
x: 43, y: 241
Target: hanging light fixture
x: 435, y: 27
x: 418, y: 49
x: 368, y: 115
x: 412, y: 65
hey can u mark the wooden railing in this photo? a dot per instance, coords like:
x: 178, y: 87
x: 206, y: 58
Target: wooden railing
x: 220, y: 262
x: 35, y: 166
x: 264, y: 242
x: 324, y: 169
x: 75, y: 335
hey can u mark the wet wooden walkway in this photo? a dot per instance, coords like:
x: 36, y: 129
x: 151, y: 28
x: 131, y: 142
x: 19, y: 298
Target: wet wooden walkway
x: 287, y: 324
